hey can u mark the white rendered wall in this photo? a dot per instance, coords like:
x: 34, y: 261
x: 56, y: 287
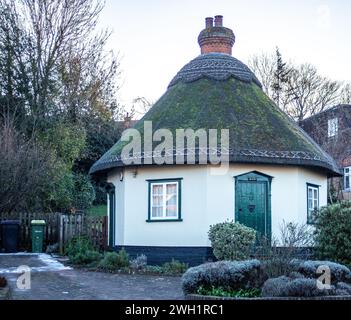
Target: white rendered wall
x: 206, y: 199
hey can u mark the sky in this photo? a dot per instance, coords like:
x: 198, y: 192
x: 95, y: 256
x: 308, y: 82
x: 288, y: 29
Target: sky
x: 154, y: 39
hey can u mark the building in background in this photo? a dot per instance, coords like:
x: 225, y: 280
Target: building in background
x: 331, y: 129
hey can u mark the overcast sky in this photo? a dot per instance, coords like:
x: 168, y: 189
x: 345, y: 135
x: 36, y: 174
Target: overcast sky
x: 156, y: 38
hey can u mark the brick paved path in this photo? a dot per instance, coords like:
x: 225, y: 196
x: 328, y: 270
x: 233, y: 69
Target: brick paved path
x: 56, y: 283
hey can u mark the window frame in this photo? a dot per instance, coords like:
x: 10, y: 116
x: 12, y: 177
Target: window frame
x: 164, y: 182
x: 333, y: 127
x: 348, y: 175
x: 313, y: 187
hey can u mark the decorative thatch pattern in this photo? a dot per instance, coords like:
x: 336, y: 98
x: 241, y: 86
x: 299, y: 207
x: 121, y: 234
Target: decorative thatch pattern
x: 216, y: 66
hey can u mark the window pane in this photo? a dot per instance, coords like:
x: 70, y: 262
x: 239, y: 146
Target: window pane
x: 157, y: 212
x: 171, y: 189
x: 157, y: 189
x: 347, y: 182
x: 315, y: 194
x: 310, y: 204
x: 332, y: 127
x: 315, y: 204
x: 171, y: 200
x: 309, y: 193
x: 157, y: 201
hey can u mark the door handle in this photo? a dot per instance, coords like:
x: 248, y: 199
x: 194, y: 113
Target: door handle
x: 251, y: 207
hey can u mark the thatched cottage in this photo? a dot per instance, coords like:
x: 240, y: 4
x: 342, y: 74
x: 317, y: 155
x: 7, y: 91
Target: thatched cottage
x: 275, y: 171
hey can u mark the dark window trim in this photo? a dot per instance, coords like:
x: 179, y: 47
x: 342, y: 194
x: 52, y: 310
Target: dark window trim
x: 111, y: 192
x: 344, y: 179
x: 152, y: 181
x: 164, y: 220
x: 164, y: 180
x: 309, y: 218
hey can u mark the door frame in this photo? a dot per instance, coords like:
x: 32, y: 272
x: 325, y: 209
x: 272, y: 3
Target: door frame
x: 111, y: 193
x: 258, y: 177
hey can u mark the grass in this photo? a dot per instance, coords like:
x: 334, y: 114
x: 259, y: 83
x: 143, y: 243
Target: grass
x: 98, y: 211
x: 221, y: 292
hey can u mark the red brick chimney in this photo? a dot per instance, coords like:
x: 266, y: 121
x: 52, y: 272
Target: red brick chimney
x: 216, y: 38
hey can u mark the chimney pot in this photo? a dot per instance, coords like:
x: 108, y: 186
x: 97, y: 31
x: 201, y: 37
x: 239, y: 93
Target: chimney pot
x: 209, y: 22
x: 216, y: 40
x: 218, y: 21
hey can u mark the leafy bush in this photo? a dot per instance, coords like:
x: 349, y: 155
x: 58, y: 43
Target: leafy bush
x: 339, y: 273
x: 230, y: 275
x: 80, y: 251
x: 70, y: 191
x: 175, y: 267
x: 84, y: 193
x: 287, y: 287
x: 221, y: 292
x: 231, y: 241
x: 139, y: 263
x: 333, y: 230
x: 113, y: 261
x: 154, y: 269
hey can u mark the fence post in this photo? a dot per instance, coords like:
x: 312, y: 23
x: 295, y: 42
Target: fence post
x: 61, y: 221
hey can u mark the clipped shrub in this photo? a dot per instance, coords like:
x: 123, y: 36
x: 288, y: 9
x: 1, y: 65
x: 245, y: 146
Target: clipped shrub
x: 231, y: 240
x: 139, y: 263
x: 113, y: 261
x: 175, y: 267
x: 343, y: 289
x: 332, y: 233
x: 80, y: 251
x: 274, y: 287
x: 300, y: 287
x: 229, y: 275
x: 338, y: 272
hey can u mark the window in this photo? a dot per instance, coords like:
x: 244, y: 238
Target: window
x: 164, y: 200
x: 347, y: 179
x: 312, y: 201
x: 333, y: 127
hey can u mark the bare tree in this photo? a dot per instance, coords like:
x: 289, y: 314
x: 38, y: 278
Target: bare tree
x: 264, y: 66
x: 345, y: 94
x: 302, y: 91
x: 54, y: 49
x: 308, y: 92
x: 141, y: 106
x: 24, y: 170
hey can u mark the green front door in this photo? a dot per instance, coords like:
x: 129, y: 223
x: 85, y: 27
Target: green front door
x: 252, y: 202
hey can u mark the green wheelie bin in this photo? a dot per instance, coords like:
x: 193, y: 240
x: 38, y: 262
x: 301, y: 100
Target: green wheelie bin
x: 38, y: 233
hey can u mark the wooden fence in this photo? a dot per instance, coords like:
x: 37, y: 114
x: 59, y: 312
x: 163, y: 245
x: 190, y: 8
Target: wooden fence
x: 60, y: 228
x: 93, y: 227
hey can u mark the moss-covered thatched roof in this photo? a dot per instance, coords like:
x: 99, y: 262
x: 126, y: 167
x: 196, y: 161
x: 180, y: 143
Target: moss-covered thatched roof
x: 210, y: 96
